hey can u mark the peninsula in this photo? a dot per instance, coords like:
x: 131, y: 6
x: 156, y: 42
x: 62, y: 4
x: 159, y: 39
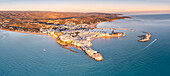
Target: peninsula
x: 75, y: 29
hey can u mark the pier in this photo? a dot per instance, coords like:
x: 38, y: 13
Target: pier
x: 92, y: 53
x: 115, y: 29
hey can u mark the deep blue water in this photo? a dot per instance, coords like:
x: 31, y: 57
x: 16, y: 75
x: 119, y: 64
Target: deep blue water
x: 23, y: 55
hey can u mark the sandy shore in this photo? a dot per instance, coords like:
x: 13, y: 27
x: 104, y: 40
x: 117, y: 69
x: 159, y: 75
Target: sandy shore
x: 95, y: 25
x: 25, y: 32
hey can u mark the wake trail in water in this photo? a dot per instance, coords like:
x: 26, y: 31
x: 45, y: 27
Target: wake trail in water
x: 137, y: 55
x: 150, y: 43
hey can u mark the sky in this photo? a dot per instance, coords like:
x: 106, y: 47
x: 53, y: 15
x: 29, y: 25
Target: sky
x: 85, y: 5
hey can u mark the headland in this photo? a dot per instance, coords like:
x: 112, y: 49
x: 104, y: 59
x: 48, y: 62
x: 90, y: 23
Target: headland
x: 75, y: 29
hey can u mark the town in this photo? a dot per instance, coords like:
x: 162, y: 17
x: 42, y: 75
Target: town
x: 76, y: 31
x: 81, y: 36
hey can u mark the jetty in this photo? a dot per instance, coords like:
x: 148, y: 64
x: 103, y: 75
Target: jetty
x: 92, y: 53
x: 116, y: 29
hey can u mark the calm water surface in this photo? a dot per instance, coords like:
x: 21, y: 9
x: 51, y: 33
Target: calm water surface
x: 23, y: 55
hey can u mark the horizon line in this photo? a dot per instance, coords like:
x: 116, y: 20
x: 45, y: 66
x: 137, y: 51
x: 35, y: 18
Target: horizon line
x: 158, y: 11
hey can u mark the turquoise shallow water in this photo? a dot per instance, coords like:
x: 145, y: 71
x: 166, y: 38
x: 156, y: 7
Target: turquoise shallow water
x: 23, y: 55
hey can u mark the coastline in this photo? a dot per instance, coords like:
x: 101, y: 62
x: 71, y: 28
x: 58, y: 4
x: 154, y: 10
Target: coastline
x: 122, y: 56
x: 24, y: 32
x: 95, y: 25
x: 84, y: 45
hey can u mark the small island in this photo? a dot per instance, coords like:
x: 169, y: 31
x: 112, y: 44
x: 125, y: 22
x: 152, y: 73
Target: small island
x: 69, y: 29
x: 145, y: 37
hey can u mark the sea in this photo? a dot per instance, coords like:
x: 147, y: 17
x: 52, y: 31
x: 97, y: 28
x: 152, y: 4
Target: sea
x: 23, y: 54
